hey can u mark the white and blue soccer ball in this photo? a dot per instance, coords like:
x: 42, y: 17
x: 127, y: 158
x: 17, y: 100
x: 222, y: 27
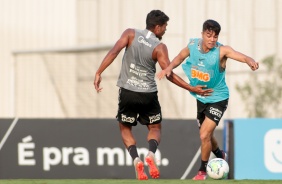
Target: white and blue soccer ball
x: 217, y: 169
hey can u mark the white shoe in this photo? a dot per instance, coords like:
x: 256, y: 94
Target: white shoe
x: 139, y: 169
x: 153, y: 168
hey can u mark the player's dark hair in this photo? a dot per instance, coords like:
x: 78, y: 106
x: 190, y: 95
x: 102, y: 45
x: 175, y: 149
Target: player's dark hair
x: 212, y: 25
x: 156, y: 17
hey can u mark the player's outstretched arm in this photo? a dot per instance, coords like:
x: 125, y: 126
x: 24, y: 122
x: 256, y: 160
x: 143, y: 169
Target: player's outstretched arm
x: 111, y: 55
x: 184, y: 53
x: 162, y: 57
x: 228, y: 52
x: 199, y: 89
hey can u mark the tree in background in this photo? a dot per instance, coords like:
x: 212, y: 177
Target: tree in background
x: 262, y: 95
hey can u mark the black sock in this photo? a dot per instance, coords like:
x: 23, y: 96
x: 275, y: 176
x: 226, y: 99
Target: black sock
x: 133, y: 151
x: 203, y: 166
x: 218, y: 153
x: 153, y: 145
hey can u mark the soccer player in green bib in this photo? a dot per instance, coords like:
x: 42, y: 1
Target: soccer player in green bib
x: 205, y: 65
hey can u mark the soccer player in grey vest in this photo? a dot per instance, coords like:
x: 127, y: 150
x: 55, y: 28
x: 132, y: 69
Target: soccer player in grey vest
x: 206, y: 66
x: 138, y: 94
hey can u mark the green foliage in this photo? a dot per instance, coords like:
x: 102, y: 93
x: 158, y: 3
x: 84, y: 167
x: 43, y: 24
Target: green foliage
x: 262, y: 91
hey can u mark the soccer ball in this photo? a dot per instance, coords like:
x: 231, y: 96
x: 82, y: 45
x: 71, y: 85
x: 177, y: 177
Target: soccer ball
x: 217, y: 169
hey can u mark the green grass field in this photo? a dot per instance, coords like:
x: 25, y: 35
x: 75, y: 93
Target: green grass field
x: 128, y: 181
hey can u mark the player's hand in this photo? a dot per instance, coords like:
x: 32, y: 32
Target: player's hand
x: 164, y: 73
x: 253, y: 65
x: 199, y: 89
x: 97, y: 82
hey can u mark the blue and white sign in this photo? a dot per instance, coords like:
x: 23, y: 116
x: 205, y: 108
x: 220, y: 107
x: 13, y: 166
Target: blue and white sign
x: 258, y: 149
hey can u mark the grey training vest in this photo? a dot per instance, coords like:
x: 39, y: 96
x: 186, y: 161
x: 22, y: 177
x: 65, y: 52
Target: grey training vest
x: 138, y: 68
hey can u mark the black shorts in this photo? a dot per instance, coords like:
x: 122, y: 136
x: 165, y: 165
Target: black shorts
x: 213, y: 111
x: 139, y: 107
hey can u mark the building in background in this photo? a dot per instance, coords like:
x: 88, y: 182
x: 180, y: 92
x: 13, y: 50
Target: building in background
x: 50, y: 50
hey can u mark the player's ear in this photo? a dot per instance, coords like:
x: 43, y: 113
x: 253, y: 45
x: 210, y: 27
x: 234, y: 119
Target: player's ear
x: 157, y: 28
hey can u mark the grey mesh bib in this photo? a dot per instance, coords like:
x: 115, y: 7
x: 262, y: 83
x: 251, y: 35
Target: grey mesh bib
x: 138, y: 68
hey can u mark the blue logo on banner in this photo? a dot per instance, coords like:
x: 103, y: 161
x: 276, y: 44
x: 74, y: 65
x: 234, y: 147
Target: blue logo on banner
x: 258, y: 148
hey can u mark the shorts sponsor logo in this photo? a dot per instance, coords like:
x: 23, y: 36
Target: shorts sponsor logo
x: 155, y: 118
x: 124, y: 118
x: 216, y: 112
